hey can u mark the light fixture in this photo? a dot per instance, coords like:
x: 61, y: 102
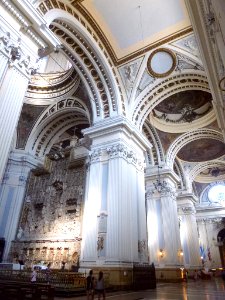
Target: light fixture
x: 161, y: 253
x: 161, y: 186
x: 180, y: 252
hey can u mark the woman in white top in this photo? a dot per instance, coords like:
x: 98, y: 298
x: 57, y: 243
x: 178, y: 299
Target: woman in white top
x: 100, y: 286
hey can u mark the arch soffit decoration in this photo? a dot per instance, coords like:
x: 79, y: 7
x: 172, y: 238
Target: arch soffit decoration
x: 186, y: 138
x: 180, y: 172
x: 55, y: 120
x: 208, y: 187
x: 89, y: 61
x: 202, y: 166
x: 153, y: 137
x: 164, y: 88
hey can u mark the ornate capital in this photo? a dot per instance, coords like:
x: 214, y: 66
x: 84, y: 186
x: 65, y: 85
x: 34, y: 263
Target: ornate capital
x: 96, y: 155
x: 120, y: 150
x: 186, y: 210
x: 217, y: 220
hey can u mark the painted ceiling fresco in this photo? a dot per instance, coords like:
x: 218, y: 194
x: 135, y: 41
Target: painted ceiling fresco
x: 175, y: 103
x: 28, y: 117
x: 167, y: 138
x: 202, y: 150
x: 216, y: 171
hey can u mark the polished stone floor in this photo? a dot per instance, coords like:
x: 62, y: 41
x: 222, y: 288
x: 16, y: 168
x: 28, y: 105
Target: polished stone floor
x: 200, y: 290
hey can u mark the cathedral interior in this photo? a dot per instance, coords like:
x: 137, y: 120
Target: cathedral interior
x: 112, y: 134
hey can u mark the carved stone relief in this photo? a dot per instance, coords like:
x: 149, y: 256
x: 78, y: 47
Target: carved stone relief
x: 50, y: 224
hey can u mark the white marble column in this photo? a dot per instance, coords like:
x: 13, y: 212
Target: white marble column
x: 11, y: 99
x: 12, y: 190
x: 114, y: 224
x: 162, y: 218
x: 188, y: 230
x: 91, y: 211
x: 14, y: 77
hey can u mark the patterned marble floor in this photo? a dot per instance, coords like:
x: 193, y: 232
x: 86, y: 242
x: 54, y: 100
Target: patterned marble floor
x: 200, y: 290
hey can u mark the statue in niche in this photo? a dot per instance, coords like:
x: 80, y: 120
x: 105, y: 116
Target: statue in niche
x: 19, y: 233
x: 100, y: 243
x: 129, y: 74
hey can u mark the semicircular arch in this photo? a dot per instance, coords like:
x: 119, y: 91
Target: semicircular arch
x: 89, y: 61
x: 188, y: 137
x: 200, y: 167
x: 51, y: 124
x: 173, y: 84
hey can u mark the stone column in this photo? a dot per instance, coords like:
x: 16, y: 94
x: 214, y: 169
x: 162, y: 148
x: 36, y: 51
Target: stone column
x: 12, y: 192
x: 188, y: 230
x: 163, y: 226
x: 114, y: 230
x: 14, y: 77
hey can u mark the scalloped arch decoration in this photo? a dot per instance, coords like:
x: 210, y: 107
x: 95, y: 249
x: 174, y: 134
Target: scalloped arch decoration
x: 186, y: 138
x: 154, y: 95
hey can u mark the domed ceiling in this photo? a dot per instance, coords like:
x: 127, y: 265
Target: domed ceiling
x: 202, y: 150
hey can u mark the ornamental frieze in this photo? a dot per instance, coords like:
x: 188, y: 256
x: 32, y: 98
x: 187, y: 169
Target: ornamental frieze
x: 12, y: 49
x: 217, y: 220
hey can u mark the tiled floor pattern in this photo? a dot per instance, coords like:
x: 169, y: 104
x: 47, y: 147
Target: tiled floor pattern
x: 200, y: 290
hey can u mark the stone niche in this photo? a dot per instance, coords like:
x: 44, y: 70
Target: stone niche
x: 50, y: 225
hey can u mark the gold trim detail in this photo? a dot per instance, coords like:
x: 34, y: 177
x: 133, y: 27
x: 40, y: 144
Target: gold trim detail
x: 161, y: 75
x: 222, y: 84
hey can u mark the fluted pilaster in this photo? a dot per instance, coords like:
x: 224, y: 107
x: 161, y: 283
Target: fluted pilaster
x: 162, y: 218
x: 11, y: 99
x: 12, y: 192
x: 189, y: 230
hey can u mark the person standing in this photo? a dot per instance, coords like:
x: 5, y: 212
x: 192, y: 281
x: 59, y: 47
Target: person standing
x: 33, y: 278
x: 90, y: 285
x: 100, y: 286
x: 48, y: 273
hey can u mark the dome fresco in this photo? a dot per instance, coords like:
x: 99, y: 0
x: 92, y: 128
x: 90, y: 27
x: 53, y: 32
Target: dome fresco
x: 202, y: 150
x: 175, y: 103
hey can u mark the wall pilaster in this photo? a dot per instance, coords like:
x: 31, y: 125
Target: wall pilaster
x: 163, y: 226
x: 12, y: 190
x: 188, y: 230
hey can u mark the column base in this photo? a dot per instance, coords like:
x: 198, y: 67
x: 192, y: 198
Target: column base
x: 124, y: 276
x: 170, y: 274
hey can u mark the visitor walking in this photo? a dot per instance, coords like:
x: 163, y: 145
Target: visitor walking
x: 90, y: 285
x: 100, y: 286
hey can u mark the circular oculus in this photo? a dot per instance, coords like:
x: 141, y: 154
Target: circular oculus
x: 161, y: 62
